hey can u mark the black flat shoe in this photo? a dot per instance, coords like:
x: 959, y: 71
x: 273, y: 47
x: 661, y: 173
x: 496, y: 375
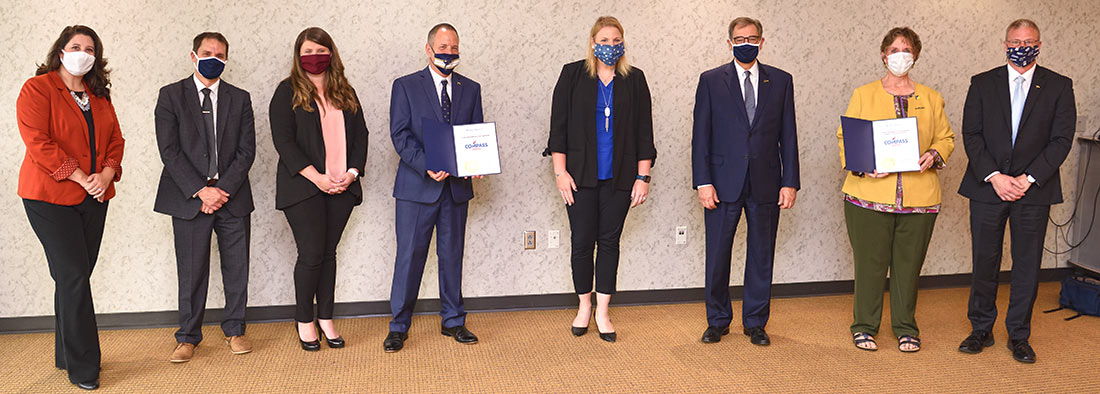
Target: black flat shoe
x: 976, y: 342
x: 460, y: 334
x: 90, y: 385
x: 578, y: 331
x: 608, y: 336
x: 311, y: 346
x: 758, y: 336
x: 714, y: 334
x: 333, y: 343
x: 395, y: 340
x: 1021, y: 351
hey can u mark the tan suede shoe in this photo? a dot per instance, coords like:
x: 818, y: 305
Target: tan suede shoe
x: 238, y: 345
x: 183, y: 353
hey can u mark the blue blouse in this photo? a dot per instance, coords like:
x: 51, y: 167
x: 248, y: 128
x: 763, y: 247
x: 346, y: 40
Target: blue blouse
x: 605, y: 122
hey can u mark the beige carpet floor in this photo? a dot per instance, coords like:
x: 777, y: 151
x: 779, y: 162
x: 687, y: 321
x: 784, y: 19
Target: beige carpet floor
x: 533, y: 352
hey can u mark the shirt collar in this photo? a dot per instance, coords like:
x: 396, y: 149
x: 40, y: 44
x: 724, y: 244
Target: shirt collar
x: 437, y: 78
x: 755, y: 69
x: 1012, y: 73
x: 213, y: 87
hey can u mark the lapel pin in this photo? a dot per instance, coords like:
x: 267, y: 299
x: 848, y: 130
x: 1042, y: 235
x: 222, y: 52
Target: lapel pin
x: 1037, y: 86
x: 458, y: 82
x: 765, y: 81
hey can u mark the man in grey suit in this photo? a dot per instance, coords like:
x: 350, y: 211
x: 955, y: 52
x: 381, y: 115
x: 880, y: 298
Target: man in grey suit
x: 207, y: 141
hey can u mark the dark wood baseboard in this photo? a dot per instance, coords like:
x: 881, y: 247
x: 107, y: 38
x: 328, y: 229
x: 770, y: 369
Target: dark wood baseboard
x: 130, y: 320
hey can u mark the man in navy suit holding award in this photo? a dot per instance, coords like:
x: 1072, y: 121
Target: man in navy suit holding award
x: 426, y: 199
x: 744, y: 156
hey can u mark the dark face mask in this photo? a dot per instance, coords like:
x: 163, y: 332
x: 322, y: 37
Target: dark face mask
x: 210, y: 67
x: 746, y: 53
x: 445, y: 62
x: 1022, y: 56
x: 315, y: 64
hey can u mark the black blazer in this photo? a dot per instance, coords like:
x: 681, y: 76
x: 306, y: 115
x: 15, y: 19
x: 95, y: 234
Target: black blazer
x: 573, y: 125
x: 299, y: 142
x: 181, y: 139
x: 1042, y: 143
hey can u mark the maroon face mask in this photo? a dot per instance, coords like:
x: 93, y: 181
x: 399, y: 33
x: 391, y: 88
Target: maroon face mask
x: 315, y: 64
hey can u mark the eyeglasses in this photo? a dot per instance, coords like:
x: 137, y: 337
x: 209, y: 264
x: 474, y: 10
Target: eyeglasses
x: 1016, y: 43
x: 742, y: 39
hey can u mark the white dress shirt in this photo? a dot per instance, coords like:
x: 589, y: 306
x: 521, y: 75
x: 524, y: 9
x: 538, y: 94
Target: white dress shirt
x: 1012, y: 74
x: 438, y: 83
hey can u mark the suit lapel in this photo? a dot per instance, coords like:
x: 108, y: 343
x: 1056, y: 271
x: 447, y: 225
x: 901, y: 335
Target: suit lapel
x: 619, y: 103
x: 456, y: 95
x: 225, y: 100
x: 763, y: 91
x: 192, y: 105
x: 734, y: 83
x: 71, y: 103
x: 433, y: 96
x: 1005, y: 97
x: 1033, y: 94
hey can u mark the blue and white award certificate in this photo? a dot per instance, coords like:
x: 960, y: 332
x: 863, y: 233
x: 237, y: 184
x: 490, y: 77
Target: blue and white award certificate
x: 897, y: 148
x: 476, y: 151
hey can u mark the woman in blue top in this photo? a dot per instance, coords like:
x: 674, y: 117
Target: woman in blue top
x: 601, y: 139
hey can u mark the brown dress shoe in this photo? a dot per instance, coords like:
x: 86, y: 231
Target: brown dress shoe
x: 183, y: 353
x: 238, y: 345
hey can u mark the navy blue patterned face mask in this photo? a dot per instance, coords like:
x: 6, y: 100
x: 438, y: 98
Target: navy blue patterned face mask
x: 1022, y: 56
x: 445, y: 62
x: 609, y: 54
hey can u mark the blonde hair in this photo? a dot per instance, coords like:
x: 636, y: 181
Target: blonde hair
x: 623, y: 66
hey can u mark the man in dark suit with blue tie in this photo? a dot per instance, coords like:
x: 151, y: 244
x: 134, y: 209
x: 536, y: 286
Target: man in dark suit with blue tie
x: 1018, y: 124
x: 207, y: 141
x: 744, y: 156
x: 428, y: 200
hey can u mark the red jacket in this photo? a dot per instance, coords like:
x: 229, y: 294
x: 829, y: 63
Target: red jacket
x: 56, y: 135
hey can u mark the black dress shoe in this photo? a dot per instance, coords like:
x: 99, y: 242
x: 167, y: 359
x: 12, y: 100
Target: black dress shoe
x: 1021, y: 351
x: 460, y: 333
x: 608, y: 336
x: 394, y: 341
x: 89, y: 385
x: 578, y: 331
x: 311, y: 346
x: 976, y: 342
x: 714, y: 334
x: 758, y: 336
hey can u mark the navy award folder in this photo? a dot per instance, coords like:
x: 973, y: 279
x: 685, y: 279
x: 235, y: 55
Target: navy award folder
x: 463, y: 150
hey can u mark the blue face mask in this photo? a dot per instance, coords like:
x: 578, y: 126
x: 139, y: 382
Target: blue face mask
x: 209, y: 67
x: 445, y: 62
x: 746, y: 53
x: 1022, y: 56
x: 609, y: 54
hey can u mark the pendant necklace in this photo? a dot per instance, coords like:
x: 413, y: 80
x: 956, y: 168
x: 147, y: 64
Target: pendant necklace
x: 606, y: 108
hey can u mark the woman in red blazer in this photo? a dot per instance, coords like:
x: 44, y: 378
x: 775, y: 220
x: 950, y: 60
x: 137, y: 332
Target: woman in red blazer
x: 73, y: 159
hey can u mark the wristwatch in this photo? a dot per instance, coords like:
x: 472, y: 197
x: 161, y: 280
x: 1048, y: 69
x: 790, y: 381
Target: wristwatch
x: 644, y: 178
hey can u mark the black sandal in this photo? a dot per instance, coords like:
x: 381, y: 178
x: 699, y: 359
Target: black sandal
x: 908, y: 340
x: 861, y: 338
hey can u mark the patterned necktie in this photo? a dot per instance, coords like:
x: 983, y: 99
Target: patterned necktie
x: 211, y: 141
x: 750, y: 97
x: 1017, y: 106
x: 446, y: 103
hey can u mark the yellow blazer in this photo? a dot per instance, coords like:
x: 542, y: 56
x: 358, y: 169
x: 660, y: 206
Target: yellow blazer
x: 872, y: 102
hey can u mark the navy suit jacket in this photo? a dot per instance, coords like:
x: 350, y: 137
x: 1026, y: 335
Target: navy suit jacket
x: 1043, y: 140
x: 181, y: 139
x: 414, y: 97
x: 726, y: 149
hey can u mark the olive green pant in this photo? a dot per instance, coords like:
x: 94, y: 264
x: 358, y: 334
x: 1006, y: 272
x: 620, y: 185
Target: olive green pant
x: 881, y: 242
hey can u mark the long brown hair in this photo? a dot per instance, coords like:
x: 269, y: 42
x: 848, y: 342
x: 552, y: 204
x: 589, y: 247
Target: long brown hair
x: 337, y: 89
x: 623, y: 66
x: 99, y: 78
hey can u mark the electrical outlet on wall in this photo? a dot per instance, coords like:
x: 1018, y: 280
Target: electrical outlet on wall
x: 553, y: 239
x: 681, y: 235
x: 529, y: 239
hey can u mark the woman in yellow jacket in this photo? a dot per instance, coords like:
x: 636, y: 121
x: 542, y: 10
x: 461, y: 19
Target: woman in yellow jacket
x: 890, y: 217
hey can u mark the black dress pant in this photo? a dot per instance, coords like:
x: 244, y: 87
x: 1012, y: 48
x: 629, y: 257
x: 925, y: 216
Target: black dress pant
x: 596, y: 222
x: 71, y: 236
x: 317, y: 223
x: 987, y: 229
x: 192, y: 241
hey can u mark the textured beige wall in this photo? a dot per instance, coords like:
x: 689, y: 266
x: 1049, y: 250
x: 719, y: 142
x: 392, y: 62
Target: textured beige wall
x: 515, y: 49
